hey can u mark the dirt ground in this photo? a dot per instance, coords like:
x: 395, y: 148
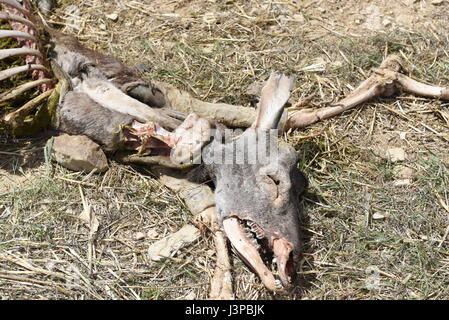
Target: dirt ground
x: 373, y: 228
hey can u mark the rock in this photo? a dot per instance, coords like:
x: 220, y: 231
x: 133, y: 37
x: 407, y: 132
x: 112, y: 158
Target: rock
x: 402, y: 172
x: 139, y: 236
x: 152, y: 234
x: 373, y: 19
x: 396, y: 154
x: 401, y: 182
x: 168, y: 246
x: 437, y: 2
x: 112, y: 16
x: 386, y: 22
x: 377, y: 216
x: 143, y: 67
x: 78, y: 153
x: 299, y: 18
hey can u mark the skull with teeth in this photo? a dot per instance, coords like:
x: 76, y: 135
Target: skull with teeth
x: 257, y: 201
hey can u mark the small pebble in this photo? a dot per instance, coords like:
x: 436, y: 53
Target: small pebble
x: 139, y: 236
x: 112, y: 16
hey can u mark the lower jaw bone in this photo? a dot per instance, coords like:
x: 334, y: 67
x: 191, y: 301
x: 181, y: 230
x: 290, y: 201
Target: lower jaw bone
x: 235, y: 233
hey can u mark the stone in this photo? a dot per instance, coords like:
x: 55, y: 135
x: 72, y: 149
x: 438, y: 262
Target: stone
x: 396, y: 154
x: 402, y: 182
x: 139, y: 236
x: 378, y: 216
x: 78, y: 153
x: 403, y: 172
x: 112, y: 16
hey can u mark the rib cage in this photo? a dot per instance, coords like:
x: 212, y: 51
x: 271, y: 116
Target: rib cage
x: 27, y: 76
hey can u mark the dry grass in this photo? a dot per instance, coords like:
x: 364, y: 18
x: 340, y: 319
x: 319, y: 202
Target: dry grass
x: 356, y: 215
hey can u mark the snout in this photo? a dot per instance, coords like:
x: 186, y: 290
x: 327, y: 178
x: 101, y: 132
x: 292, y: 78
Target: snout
x: 270, y: 256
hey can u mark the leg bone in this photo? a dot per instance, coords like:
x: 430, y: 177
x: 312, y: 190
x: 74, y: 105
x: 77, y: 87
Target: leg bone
x: 108, y: 95
x: 385, y: 81
x: 201, y: 201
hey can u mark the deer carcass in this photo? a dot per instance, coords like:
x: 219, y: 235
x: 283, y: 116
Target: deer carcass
x: 256, y: 201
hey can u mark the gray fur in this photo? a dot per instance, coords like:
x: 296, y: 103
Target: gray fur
x: 81, y: 115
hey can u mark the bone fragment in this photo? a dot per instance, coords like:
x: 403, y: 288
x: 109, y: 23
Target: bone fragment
x: 170, y: 245
x: 422, y: 89
x: 221, y: 284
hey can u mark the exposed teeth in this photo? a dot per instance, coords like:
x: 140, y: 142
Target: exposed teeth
x: 278, y: 284
x: 259, y: 235
x: 254, y: 241
x: 275, y: 260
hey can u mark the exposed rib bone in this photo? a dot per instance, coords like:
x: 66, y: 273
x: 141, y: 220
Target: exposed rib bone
x: 13, y: 17
x: 16, y: 118
x: 385, y: 81
x: 4, y: 74
x: 15, y: 4
x: 109, y: 96
x: 6, y: 53
x: 16, y: 34
x: 10, y: 94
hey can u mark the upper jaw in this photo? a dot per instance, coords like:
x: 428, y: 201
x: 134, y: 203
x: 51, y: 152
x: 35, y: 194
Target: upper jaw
x: 258, y: 248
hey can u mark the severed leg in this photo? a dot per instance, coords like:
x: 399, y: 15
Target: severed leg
x: 385, y: 81
x: 200, y: 200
